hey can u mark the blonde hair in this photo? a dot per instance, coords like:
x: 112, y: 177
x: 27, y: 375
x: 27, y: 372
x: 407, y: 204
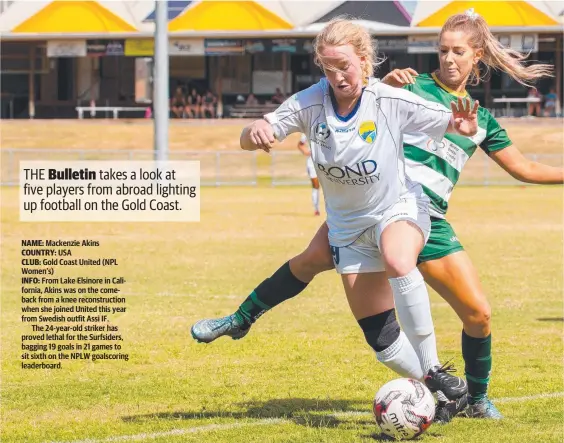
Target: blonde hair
x: 342, y: 31
x: 496, y: 56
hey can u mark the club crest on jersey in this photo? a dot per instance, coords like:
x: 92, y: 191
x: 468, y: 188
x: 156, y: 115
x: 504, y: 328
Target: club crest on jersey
x: 321, y: 131
x: 367, y: 131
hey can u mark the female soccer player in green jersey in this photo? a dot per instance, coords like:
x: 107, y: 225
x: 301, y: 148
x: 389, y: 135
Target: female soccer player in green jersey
x: 465, y: 43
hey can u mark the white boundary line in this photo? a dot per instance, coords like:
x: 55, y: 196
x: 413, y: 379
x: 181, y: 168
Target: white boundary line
x: 528, y: 397
x: 270, y: 421
x: 176, y: 432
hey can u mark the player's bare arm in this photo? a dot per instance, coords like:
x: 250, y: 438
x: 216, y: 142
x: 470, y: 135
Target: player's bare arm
x: 525, y: 170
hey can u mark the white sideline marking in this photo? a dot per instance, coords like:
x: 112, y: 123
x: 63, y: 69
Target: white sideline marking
x: 529, y: 397
x: 183, y: 431
x: 270, y: 421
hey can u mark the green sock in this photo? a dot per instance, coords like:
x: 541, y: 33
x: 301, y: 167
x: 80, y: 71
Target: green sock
x: 477, y: 354
x: 251, y: 309
x: 279, y: 287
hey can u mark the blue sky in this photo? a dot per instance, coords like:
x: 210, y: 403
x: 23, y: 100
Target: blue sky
x: 409, y: 5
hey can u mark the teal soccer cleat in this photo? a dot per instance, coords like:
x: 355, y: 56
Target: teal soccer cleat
x: 483, y: 408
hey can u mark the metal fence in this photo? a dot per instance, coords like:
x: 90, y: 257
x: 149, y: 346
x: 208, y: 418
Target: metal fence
x: 240, y: 168
x: 289, y: 168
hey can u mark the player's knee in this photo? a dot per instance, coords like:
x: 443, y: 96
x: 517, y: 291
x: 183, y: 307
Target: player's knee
x: 479, y: 318
x: 317, y: 258
x: 313, y: 261
x: 317, y: 261
x: 399, y: 265
x: 380, y: 330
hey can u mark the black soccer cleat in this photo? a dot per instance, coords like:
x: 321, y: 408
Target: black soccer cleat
x: 440, y: 379
x: 445, y: 411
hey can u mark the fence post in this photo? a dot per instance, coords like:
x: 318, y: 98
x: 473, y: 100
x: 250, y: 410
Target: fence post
x: 255, y: 168
x: 486, y: 171
x: 272, y: 168
x: 11, y: 167
x: 217, y: 168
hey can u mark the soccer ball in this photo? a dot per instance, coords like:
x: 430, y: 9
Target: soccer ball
x: 404, y: 408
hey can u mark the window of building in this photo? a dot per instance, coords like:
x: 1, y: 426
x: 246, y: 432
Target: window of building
x: 268, y: 62
x: 234, y: 72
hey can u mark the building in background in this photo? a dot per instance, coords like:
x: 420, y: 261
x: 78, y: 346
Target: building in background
x: 55, y: 55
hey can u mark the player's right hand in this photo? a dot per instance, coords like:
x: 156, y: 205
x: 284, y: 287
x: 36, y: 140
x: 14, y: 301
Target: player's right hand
x: 261, y: 135
x: 398, y: 78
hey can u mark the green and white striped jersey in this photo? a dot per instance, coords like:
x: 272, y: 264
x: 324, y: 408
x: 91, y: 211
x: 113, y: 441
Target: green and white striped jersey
x: 437, y: 165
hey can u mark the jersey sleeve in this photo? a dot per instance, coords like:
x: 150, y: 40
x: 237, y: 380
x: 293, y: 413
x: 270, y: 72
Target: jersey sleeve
x: 290, y: 117
x: 496, y: 137
x: 303, y: 138
x: 419, y: 115
x: 287, y: 119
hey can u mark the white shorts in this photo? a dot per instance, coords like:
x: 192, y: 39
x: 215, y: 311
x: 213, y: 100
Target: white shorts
x: 364, y: 254
x: 310, y: 167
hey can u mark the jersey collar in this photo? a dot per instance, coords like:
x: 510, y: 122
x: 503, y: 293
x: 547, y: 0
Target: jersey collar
x: 446, y: 88
x: 344, y: 118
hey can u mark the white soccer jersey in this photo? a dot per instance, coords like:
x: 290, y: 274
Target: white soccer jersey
x: 359, y: 159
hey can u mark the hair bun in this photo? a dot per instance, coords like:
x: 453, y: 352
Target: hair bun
x: 472, y: 14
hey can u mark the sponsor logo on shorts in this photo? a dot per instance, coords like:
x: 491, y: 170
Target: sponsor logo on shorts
x: 453, y: 239
x: 335, y: 254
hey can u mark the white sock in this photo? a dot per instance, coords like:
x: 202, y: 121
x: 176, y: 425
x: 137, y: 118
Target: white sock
x: 414, y: 313
x: 315, y: 198
x: 401, y: 358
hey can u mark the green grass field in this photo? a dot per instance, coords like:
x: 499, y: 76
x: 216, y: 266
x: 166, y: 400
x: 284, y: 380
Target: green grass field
x: 304, y: 373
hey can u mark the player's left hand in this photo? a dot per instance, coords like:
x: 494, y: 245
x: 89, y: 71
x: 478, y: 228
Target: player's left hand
x: 398, y: 78
x: 465, y: 116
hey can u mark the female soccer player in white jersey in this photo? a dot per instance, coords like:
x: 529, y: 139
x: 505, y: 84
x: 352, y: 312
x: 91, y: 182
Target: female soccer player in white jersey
x: 311, y: 173
x: 465, y: 42
x: 378, y: 220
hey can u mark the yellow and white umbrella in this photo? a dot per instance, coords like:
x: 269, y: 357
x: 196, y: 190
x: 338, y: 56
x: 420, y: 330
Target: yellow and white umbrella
x: 496, y: 13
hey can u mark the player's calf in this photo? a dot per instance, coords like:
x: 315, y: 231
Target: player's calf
x: 382, y: 332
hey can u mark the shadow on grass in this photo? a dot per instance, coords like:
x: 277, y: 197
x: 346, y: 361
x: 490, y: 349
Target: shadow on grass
x: 383, y: 437
x: 555, y: 319
x: 302, y: 411
x: 313, y: 413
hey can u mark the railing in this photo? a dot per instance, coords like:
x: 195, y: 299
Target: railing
x: 239, y: 168
x: 289, y: 168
